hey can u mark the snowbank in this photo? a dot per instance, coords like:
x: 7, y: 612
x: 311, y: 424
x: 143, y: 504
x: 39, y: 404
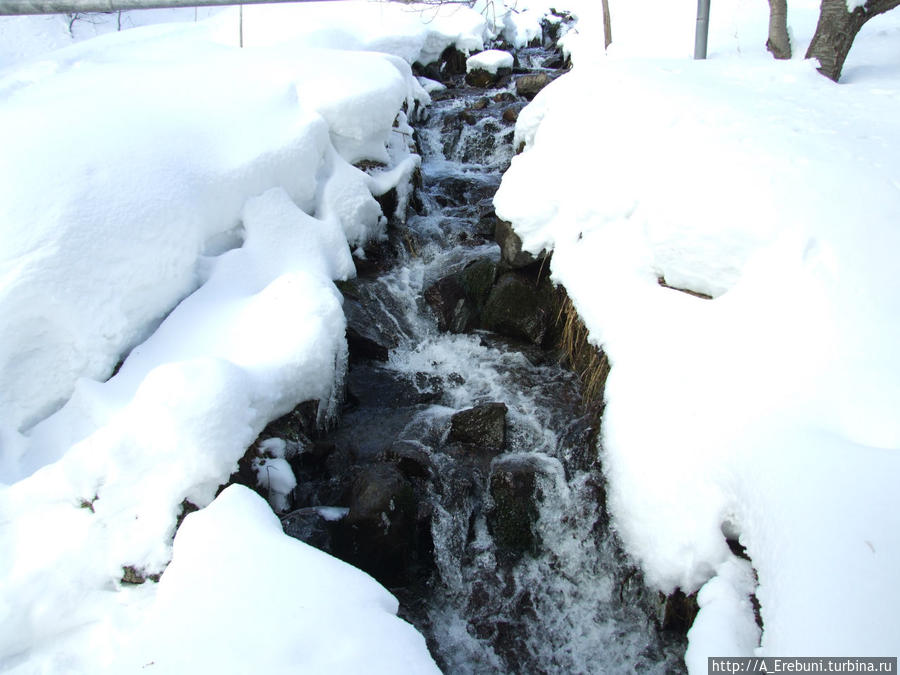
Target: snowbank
x: 767, y: 414
x: 184, y: 206
x: 295, y: 609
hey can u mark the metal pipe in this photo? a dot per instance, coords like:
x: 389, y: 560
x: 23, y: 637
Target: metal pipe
x: 700, y: 37
x: 17, y: 7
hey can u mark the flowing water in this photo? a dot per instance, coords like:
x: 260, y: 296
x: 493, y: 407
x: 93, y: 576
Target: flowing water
x: 566, y: 600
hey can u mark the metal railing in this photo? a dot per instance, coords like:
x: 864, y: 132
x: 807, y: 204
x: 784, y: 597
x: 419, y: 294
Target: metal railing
x: 17, y: 7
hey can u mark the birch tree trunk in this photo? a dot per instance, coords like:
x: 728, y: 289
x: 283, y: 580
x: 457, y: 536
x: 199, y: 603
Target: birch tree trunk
x: 836, y: 30
x: 779, y: 43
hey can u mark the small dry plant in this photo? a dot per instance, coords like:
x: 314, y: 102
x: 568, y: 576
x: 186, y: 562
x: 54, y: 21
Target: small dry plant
x: 588, y: 361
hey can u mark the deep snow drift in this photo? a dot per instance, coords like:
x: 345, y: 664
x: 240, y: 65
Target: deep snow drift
x: 769, y: 413
x: 170, y: 199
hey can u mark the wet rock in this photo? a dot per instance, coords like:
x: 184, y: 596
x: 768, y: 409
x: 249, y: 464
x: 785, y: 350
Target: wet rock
x: 457, y: 299
x: 447, y: 298
x: 477, y: 279
x: 384, y: 532
x: 511, y: 253
x: 483, y: 79
x: 451, y: 63
x: 678, y: 611
x: 481, y: 103
x: 411, y: 459
x: 298, y: 426
x: 529, y: 85
x: 486, y: 225
x: 309, y: 526
x: 504, y: 97
x: 483, y: 426
x: 364, y: 338
x: 389, y: 201
x: 511, y: 114
x: 515, y: 493
x: 518, y: 308
x: 556, y: 62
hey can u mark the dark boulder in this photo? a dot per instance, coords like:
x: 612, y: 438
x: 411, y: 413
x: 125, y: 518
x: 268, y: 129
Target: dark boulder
x: 310, y: 526
x: 477, y: 279
x: 447, y: 298
x: 677, y: 611
x: 483, y: 426
x: 511, y: 253
x: 520, y: 308
x: 365, y: 340
x: 385, y: 532
x: 457, y: 299
x: 483, y: 79
x: 515, y: 492
x: 411, y: 458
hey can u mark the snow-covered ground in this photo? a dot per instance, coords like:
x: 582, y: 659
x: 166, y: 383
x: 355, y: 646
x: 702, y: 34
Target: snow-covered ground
x: 167, y: 196
x: 769, y: 413
x: 170, y: 198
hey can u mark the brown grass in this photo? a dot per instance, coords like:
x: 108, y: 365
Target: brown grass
x: 588, y: 361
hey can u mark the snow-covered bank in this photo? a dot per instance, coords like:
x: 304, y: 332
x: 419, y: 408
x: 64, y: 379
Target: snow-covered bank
x: 769, y: 413
x: 165, y: 191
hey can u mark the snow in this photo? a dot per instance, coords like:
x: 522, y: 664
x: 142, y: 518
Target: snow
x: 490, y: 61
x: 184, y: 206
x: 306, y: 593
x: 767, y: 413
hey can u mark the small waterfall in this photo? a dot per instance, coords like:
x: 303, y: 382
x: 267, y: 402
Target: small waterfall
x: 498, y: 547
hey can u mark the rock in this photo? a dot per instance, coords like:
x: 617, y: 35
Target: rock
x: 411, y: 458
x: 515, y: 493
x: 481, y: 103
x: 529, y: 85
x: 384, y: 532
x: 297, y: 426
x: 486, y: 226
x: 555, y: 62
x: 483, y: 426
x: 677, y: 611
x: 511, y: 114
x: 477, y: 279
x: 517, y: 308
x: 453, y: 62
x: 511, y: 253
x: 447, y: 298
x: 364, y: 339
x: 457, y: 299
x: 483, y: 79
x: 309, y: 526
x: 132, y: 576
x: 504, y: 97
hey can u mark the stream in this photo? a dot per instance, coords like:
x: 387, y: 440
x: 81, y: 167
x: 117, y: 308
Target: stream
x: 462, y: 473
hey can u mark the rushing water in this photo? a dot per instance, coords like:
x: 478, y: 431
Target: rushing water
x: 569, y: 604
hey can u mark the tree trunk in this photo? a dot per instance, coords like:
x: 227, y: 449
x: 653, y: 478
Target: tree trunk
x: 607, y: 24
x: 837, y: 29
x: 779, y: 43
